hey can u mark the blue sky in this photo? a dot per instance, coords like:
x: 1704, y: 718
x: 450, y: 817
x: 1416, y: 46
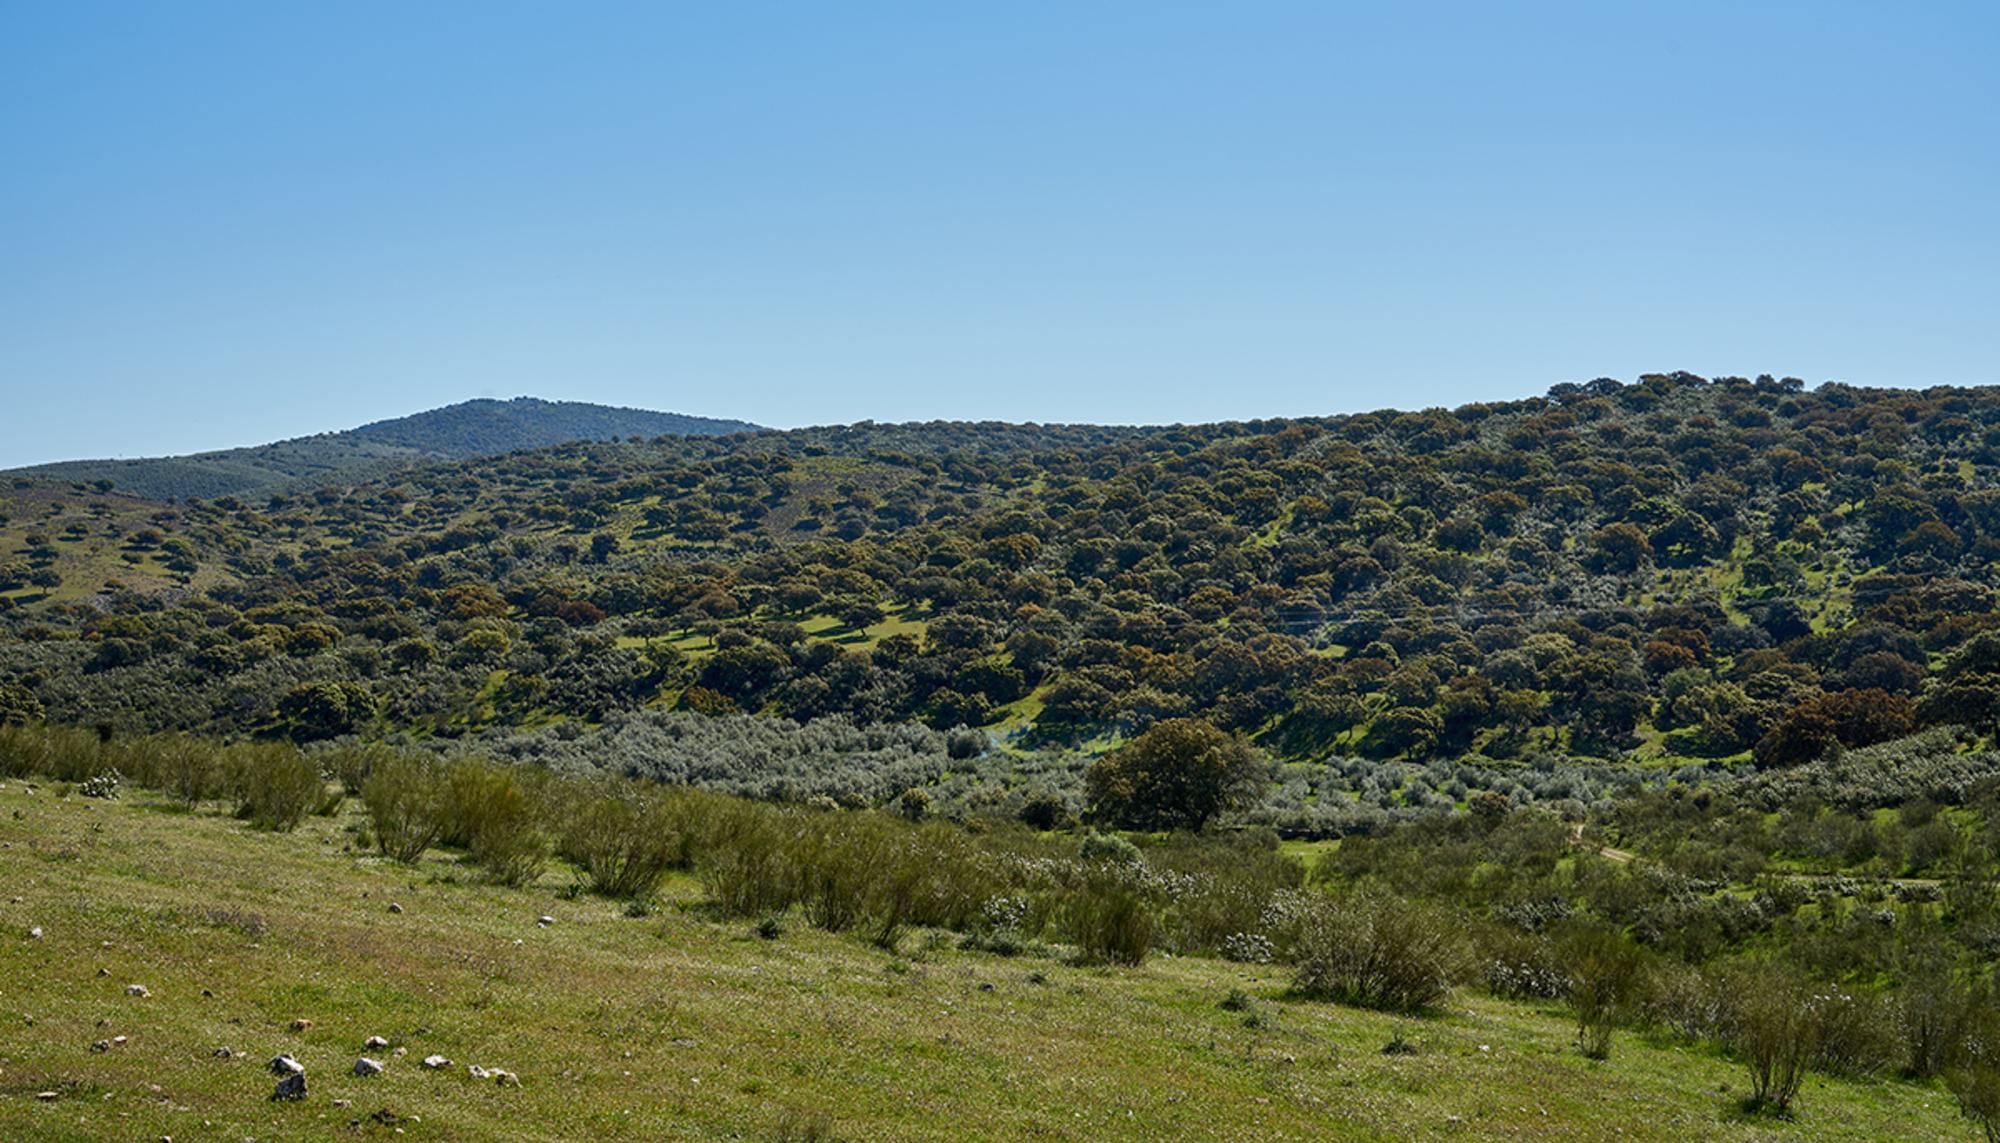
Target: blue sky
x: 227, y: 223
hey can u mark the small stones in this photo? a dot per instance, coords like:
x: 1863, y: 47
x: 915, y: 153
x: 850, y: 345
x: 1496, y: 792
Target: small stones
x: 138, y: 990
x: 395, y: 907
x: 374, y: 1043
x: 35, y: 934
x: 285, y: 1065
x: 434, y: 1063
x: 365, y: 1067
x: 48, y: 1096
x: 544, y: 921
x: 302, y: 1025
x: 103, y: 972
x: 120, y: 1041
x: 292, y: 1087
x: 501, y: 1076
x: 224, y: 1053
x: 101, y: 1046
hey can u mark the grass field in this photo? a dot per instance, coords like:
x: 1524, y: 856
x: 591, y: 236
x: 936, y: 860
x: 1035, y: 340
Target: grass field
x: 671, y: 1025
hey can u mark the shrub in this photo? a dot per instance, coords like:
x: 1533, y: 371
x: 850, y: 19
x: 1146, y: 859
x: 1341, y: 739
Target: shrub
x: 1775, y: 1036
x: 495, y: 816
x: 1378, y: 952
x: 275, y: 786
x: 625, y: 836
x: 189, y: 769
x: 1976, y: 1087
x: 1107, y: 915
x: 407, y: 805
x: 352, y: 762
x: 744, y: 871
x: 1605, y: 971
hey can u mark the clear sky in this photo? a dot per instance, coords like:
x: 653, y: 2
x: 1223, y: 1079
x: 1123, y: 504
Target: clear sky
x: 226, y: 223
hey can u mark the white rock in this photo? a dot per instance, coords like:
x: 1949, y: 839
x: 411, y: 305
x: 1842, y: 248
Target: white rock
x: 545, y: 920
x: 505, y: 1078
x: 285, y: 1065
x: 436, y: 1062
x: 375, y: 1043
x: 367, y: 1067
x: 475, y: 1071
x: 138, y: 990
x: 35, y: 934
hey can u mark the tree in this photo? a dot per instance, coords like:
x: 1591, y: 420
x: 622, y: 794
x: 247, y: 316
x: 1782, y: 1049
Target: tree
x: 326, y: 710
x: 18, y: 704
x: 1177, y: 775
x: 1620, y: 547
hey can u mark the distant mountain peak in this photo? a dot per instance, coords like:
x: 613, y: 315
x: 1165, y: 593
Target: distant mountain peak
x: 484, y: 426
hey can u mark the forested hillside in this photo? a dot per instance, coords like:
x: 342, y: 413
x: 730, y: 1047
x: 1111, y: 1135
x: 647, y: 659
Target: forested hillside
x: 1681, y: 570
x: 472, y: 428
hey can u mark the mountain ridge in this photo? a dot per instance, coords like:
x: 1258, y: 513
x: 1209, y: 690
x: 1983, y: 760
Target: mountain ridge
x: 479, y: 427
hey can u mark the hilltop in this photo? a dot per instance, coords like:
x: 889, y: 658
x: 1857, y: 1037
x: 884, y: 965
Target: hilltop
x: 482, y: 427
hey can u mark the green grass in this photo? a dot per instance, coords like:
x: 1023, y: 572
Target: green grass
x: 677, y: 1026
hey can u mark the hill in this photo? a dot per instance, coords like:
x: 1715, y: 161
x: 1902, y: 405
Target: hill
x: 472, y: 428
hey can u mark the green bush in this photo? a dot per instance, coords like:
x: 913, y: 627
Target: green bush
x: 1379, y: 952
x: 1109, y: 915
x: 1776, y: 1036
x: 407, y: 805
x: 1605, y: 971
x: 191, y: 770
x: 493, y: 813
x: 275, y: 785
x: 625, y: 837
x: 745, y: 870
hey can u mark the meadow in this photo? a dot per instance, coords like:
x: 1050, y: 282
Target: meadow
x: 678, y: 1024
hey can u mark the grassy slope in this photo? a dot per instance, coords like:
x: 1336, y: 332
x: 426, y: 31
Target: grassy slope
x: 674, y: 1026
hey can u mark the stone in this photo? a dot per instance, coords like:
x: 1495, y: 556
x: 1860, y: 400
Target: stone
x: 35, y: 934
x: 285, y: 1065
x: 101, y: 1046
x: 138, y: 990
x: 292, y: 1087
x: 475, y: 1071
x: 48, y: 1096
x: 545, y: 920
x: 302, y: 1025
x: 366, y: 1067
x: 505, y: 1078
x: 395, y: 907
x: 224, y: 1053
x: 375, y: 1043
x: 436, y: 1062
